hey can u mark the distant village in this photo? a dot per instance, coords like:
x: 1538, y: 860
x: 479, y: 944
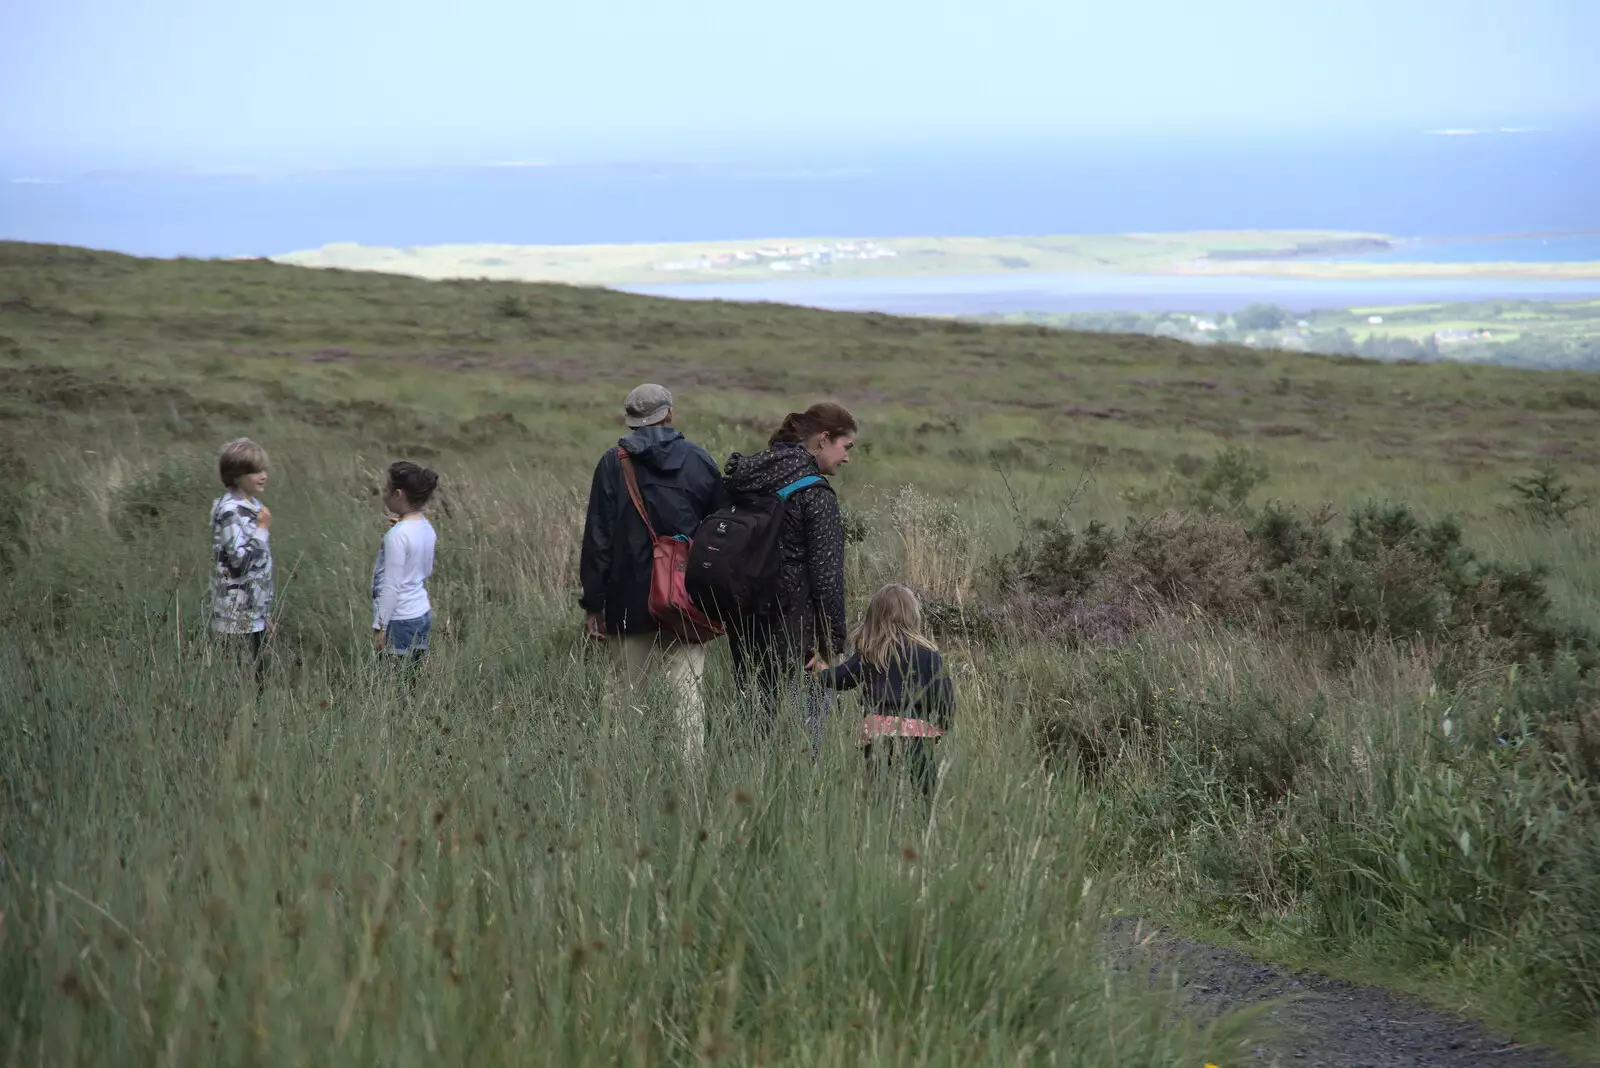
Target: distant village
x: 1268, y: 326
x: 1298, y: 334
x: 783, y: 257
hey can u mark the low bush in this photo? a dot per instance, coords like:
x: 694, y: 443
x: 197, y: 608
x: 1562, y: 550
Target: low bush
x: 1546, y: 497
x: 1226, y: 483
x: 1054, y: 560
x: 1392, y: 575
x: 1396, y: 576
x: 1184, y: 562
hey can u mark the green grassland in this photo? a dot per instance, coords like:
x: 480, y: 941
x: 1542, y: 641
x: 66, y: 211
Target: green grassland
x: 1518, y: 333
x: 1506, y: 320
x: 1203, y: 677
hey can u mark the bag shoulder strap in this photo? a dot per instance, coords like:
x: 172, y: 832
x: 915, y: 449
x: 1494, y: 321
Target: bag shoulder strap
x: 799, y: 484
x: 633, y: 489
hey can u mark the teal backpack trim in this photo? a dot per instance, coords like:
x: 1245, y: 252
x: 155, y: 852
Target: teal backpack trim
x: 799, y: 484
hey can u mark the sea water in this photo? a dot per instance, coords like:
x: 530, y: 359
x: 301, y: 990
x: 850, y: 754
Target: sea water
x: 1407, y: 183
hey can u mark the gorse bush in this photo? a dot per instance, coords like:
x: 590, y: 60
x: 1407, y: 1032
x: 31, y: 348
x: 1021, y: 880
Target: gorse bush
x: 1396, y: 576
x: 1184, y: 562
x: 1226, y: 482
x: 1546, y: 497
x: 1364, y: 735
x: 511, y: 307
x: 1391, y: 576
x: 1054, y: 560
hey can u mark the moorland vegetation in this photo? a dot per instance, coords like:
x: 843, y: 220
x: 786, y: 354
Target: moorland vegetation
x: 1291, y: 650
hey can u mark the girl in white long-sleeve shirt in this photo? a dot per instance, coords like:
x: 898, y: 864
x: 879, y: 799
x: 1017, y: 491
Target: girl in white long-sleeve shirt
x: 402, y: 616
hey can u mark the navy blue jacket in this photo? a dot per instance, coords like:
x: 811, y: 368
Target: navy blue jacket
x: 915, y: 685
x: 680, y: 485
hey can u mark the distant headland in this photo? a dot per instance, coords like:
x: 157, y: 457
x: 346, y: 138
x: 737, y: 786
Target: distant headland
x: 1287, y: 253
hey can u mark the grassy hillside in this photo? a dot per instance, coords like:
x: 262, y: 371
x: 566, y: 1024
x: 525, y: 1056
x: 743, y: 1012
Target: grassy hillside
x: 945, y: 403
x: 1269, y: 645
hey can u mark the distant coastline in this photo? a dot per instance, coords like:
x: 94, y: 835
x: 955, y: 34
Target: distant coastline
x: 1248, y: 253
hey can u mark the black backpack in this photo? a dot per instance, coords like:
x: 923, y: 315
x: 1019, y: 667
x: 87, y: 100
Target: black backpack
x: 735, y: 559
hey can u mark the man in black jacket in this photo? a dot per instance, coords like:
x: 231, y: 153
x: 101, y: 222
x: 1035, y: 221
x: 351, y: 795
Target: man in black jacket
x: 680, y: 485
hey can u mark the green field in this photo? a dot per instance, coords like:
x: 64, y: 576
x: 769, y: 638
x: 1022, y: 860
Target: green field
x: 1268, y: 646
x: 1517, y: 333
x: 1155, y: 253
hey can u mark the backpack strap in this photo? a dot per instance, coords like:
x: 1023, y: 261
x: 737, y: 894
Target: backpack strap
x: 799, y: 484
x: 633, y: 489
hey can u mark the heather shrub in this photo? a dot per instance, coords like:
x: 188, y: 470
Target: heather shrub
x: 1182, y: 561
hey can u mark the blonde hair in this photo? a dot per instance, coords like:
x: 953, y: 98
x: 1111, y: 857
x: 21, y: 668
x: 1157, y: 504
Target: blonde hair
x: 238, y: 458
x: 893, y: 615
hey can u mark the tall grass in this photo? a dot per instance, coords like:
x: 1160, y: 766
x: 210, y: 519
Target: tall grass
x: 505, y: 867
x: 1355, y: 814
x: 1362, y: 760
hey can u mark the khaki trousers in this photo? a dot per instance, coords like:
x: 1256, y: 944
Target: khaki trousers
x: 638, y: 656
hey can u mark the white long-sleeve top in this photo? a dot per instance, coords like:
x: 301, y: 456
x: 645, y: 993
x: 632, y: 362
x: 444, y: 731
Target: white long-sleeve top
x: 405, y: 560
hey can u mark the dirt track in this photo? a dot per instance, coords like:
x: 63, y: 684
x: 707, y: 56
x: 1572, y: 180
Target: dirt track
x: 1323, y: 1022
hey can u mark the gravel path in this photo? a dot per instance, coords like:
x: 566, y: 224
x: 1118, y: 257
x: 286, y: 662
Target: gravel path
x: 1322, y: 1022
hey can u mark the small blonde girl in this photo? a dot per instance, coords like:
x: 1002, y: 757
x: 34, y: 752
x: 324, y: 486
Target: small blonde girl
x: 910, y: 698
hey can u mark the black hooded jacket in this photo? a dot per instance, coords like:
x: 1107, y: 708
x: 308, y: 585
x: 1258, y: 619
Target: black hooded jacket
x: 680, y: 486
x: 811, y: 584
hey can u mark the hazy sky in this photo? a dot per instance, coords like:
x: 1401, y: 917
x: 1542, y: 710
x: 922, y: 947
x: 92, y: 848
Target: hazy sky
x: 216, y: 82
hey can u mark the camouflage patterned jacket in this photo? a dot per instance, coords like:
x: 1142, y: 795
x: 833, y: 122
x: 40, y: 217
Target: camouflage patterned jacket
x: 241, y: 567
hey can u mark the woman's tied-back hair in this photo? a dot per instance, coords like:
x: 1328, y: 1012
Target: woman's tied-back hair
x: 417, y: 483
x: 238, y: 458
x: 824, y: 418
x: 893, y: 616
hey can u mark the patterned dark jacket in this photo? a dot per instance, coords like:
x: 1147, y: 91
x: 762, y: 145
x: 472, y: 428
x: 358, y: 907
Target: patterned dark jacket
x: 680, y: 486
x: 241, y: 566
x: 811, y: 583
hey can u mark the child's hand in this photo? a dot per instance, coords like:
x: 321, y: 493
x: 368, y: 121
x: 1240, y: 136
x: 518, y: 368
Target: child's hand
x: 264, y: 520
x: 377, y: 640
x: 594, y: 625
x: 391, y: 518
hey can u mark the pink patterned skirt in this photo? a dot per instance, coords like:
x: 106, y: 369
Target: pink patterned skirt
x: 896, y: 727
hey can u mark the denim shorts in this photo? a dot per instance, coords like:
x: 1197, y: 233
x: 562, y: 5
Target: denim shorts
x: 408, y: 635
